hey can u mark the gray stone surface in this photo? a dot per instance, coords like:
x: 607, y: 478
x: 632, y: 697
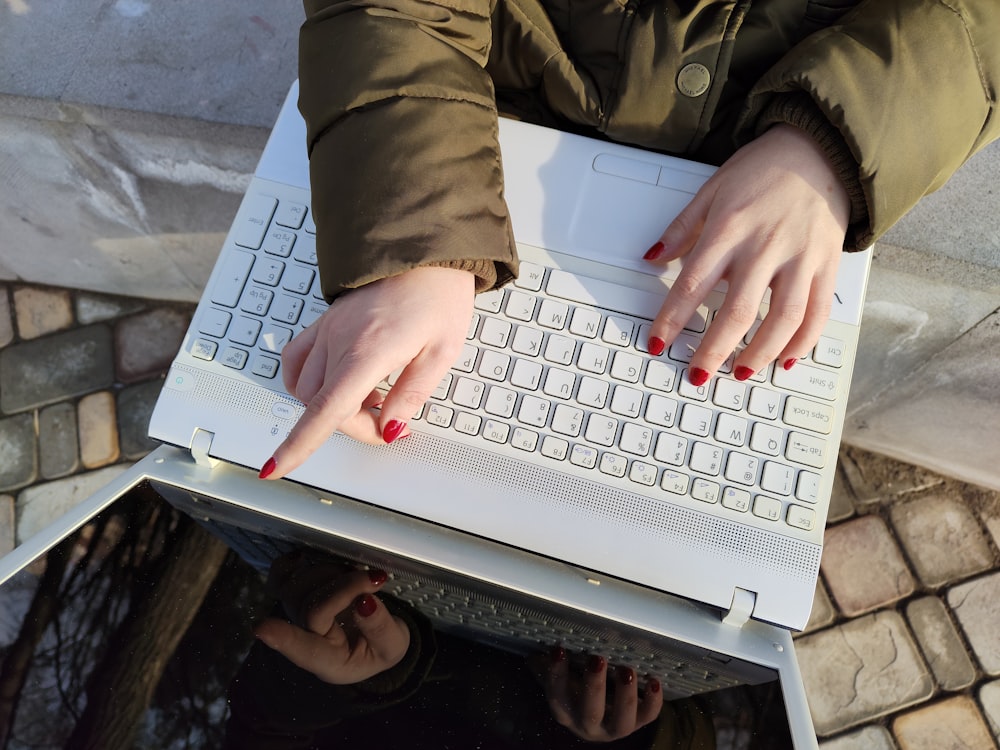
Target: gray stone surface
x: 989, y: 697
x: 135, y: 407
x: 6, y: 524
x: 863, y: 567
x: 941, y: 645
x: 976, y: 604
x: 823, y: 612
x: 41, y: 504
x: 860, y: 670
x: 869, y: 738
x: 94, y: 308
x: 868, y: 478
x: 942, y: 537
x: 955, y: 724
x: 6, y: 319
x: 146, y: 343
x: 58, y: 445
x: 18, y: 452
x: 64, y: 365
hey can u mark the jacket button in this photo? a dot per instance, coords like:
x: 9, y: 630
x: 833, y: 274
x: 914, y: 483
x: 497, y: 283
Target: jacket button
x: 693, y: 80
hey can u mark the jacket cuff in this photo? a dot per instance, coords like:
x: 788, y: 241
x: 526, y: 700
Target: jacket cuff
x: 488, y: 274
x: 800, y: 111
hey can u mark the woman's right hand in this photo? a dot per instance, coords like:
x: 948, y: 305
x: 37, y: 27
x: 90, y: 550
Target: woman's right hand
x: 415, y: 322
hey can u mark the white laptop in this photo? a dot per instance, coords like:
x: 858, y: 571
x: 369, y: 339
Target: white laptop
x: 558, y: 467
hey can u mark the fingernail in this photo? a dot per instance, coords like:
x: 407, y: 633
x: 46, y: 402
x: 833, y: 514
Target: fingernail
x: 365, y: 605
x: 393, y: 429
x: 377, y: 577
x: 697, y: 376
x: 743, y: 373
x: 625, y: 675
x: 656, y: 345
x: 789, y: 363
x: 268, y: 468
x: 557, y: 654
x: 655, y: 251
x: 595, y: 664
x: 653, y: 685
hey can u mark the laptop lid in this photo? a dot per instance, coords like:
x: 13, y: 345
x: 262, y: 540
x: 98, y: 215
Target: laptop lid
x: 120, y: 552
x: 577, y: 205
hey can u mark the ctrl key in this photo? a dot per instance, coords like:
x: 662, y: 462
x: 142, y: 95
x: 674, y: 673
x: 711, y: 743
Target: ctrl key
x: 800, y: 517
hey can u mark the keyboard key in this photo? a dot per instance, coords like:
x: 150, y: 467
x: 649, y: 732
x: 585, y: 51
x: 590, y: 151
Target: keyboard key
x: 298, y: 279
x: 670, y: 449
x: 689, y: 390
x: 635, y: 439
x: 257, y: 300
x: 467, y: 359
x: 683, y: 347
x: 585, y: 322
x: 287, y: 309
x: 567, y: 420
x: 808, y: 415
x: 553, y: 447
x: 807, y: 489
x: 767, y: 507
x: 800, y: 517
x: 706, y: 459
x: 253, y: 219
x: 527, y: 341
x: 214, y: 322
x: 304, y: 250
x: 626, y: 366
x: 530, y: 276
x: 626, y: 402
x: 583, y: 455
x: 495, y: 332
x: 311, y: 313
x: 468, y: 424
x: 660, y: 376
x: 500, y: 402
x: 496, y: 432
x: 731, y: 429
x: 829, y: 351
x: 526, y: 374
x: 267, y: 271
x: 559, y: 383
x: 675, y: 482
x: 494, y: 365
x: 613, y: 465
x: 290, y: 214
x: 245, y: 331
x: 777, y: 478
x: 232, y: 278
x: 593, y: 358
x: 764, y: 403
x: 441, y: 391
x: 552, y: 314
x: 468, y: 393
x: 707, y: 492
x: 593, y: 392
x: 806, y: 449
x: 643, y: 473
x: 233, y: 357
x: 696, y: 420
x: 741, y: 468
x: 729, y: 394
x: 559, y: 350
x: 439, y: 415
x: 807, y: 380
x: 489, y: 301
x: 617, y: 331
x: 273, y: 338
x: 520, y: 306
x: 736, y: 499
x: 661, y: 410
x: 533, y: 411
x: 523, y: 439
x: 279, y: 242
x: 265, y: 367
x: 601, y: 430
x: 204, y: 349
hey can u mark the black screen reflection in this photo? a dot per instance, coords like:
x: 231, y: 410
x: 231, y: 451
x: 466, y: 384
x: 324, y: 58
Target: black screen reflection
x: 139, y: 632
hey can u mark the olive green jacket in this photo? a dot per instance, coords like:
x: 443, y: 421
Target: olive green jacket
x: 401, y: 98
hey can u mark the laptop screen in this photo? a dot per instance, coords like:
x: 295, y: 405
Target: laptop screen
x: 137, y: 631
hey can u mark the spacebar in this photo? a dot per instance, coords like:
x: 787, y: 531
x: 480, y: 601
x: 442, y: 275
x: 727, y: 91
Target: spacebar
x: 603, y: 294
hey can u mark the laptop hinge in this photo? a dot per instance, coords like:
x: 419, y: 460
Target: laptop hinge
x: 741, y: 608
x: 201, y: 443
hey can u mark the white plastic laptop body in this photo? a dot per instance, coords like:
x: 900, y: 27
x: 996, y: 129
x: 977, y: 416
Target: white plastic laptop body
x: 709, y: 503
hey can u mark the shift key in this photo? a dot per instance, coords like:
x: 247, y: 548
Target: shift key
x: 810, y: 381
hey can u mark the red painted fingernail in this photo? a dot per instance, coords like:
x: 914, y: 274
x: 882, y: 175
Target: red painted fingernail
x: 655, y: 251
x: 697, y: 376
x: 743, y: 373
x: 653, y: 685
x: 596, y: 664
x: 365, y: 605
x: 789, y: 363
x: 557, y: 654
x: 625, y: 675
x: 268, y: 468
x: 377, y: 577
x: 656, y: 345
x: 393, y: 429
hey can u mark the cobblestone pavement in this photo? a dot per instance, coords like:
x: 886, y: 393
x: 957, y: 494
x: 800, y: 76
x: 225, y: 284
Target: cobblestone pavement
x: 903, y: 647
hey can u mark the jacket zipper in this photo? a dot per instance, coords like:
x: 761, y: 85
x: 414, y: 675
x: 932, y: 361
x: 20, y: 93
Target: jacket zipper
x: 623, y: 35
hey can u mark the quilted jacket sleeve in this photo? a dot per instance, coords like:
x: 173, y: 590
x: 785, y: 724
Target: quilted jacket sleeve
x: 911, y: 86
x: 402, y: 138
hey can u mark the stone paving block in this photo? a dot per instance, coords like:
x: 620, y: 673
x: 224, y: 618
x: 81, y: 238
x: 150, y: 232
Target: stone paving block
x: 98, y: 430
x: 146, y: 343
x: 869, y: 738
x: 6, y: 524
x: 976, y: 604
x: 942, y: 536
x: 58, y: 447
x: 40, y: 311
x: 6, y: 319
x: 953, y: 724
x: 55, y: 368
x: 18, y: 452
x: 871, y: 478
x: 861, y: 670
x: 135, y: 407
x: 942, y: 646
x: 823, y: 612
x: 863, y: 566
x: 989, y: 697
x: 94, y: 308
x: 40, y: 505
x: 842, y: 498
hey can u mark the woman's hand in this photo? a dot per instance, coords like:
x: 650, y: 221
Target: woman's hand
x: 774, y: 215
x: 414, y: 322
x: 347, y: 637
x: 590, y: 707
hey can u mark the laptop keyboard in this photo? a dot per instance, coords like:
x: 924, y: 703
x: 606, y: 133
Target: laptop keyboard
x: 557, y: 365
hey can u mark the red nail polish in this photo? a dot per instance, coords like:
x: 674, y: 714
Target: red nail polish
x: 393, y: 429
x: 653, y: 685
x: 697, y: 376
x: 655, y: 251
x: 743, y: 373
x: 365, y: 605
x: 377, y: 577
x: 625, y: 675
x: 789, y: 363
x: 268, y: 468
x: 557, y: 654
x: 656, y: 345
x: 596, y: 664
